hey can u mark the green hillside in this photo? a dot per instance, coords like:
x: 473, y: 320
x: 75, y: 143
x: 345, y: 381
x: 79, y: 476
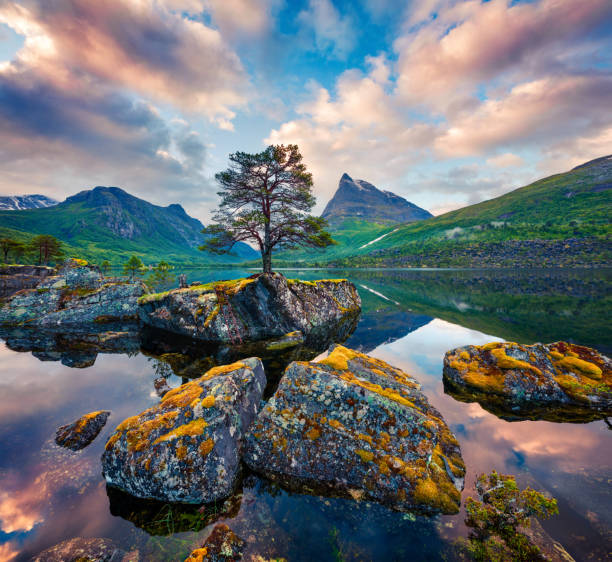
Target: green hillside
x: 574, y: 206
x: 108, y: 223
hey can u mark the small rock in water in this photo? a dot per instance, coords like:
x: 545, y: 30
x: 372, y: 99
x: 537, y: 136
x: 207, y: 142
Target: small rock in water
x: 559, y: 381
x: 91, y: 550
x: 77, y: 435
x: 161, y: 386
x: 187, y: 448
x: 354, y: 426
x: 222, y: 545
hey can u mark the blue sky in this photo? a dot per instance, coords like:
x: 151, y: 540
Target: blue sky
x: 446, y: 103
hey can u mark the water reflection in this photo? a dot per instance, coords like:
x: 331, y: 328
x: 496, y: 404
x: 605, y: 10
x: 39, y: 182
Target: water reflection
x: 409, y: 319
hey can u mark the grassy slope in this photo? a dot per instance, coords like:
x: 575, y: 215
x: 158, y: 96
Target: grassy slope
x: 96, y: 243
x: 542, y: 210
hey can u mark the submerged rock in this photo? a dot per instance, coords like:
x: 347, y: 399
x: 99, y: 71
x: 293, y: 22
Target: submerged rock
x: 187, y: 448
x: 354, y: 426
x: 76, y: 297
x: 90, y: 550
x: 556, y: 382
x: 77, y: 435
x: 260, y: 307
x: 222, y: 545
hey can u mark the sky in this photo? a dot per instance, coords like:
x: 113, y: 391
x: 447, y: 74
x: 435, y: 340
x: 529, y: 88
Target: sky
x: 445, y: 103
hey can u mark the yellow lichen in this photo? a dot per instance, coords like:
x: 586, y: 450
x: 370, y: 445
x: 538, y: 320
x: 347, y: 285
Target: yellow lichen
x: 182, y: 396
x: 464, y: 355
x: 556, y: 355
x: 206, y: 447
x: 222, y: 370
x: 208, y: 402
x: 138, y: 435
x: 366, y: 456
x: 336, y: 424
x: 365, y: 438
x: 313, y: 433
x: 506, y: 362
x: 190, y: 429
x: 588, y: 369
x: 197, y: 555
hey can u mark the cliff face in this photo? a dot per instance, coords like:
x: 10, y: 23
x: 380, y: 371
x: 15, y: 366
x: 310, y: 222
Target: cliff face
x: 358, y: 199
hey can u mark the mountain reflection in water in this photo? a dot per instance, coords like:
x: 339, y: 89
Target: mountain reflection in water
x: 409, y: 319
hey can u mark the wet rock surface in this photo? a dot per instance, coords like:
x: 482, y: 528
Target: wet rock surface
x: 187, y: 448
x: 78, y: 296
x: 555, y: 382
x: 354, y: 426
x: 260, y: 307
x: 90, y: 550
x: 222, y: 545
x: 15, y: 278
x: 80, y: 433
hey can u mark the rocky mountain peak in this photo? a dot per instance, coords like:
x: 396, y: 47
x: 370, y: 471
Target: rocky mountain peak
x: 359, y: 199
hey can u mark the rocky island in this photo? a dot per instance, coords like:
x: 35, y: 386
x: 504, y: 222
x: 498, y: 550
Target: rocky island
x: 555, y: 382
x: 263, y: 306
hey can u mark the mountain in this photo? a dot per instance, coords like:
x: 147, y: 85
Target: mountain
x: 358, y: 199
x: 109, y: 223
x: 21, y: 202
x: 563, y: 219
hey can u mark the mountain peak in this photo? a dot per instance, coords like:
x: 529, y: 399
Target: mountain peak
x: 22, y: 202
x: 359, y: 199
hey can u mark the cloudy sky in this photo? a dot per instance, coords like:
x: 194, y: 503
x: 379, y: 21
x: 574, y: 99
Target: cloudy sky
x: 445, y: 103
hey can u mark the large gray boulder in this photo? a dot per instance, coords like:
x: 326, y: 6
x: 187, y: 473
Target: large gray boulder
x: 354, y: 426
x: 187, y: 448
x: 254, y: 308
x: 76, y: 297
x: 556, y: 382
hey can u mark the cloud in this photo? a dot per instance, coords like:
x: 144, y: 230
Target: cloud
x: 359, y: 130
x: 506, y: 160
x: 141, y: 46
x: 250, y: 17
x: 537, y: 111
x: 474, y: 42
x: 333, y: 33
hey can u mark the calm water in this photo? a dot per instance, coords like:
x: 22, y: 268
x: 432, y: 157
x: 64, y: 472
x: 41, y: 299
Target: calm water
x: 409, y: 319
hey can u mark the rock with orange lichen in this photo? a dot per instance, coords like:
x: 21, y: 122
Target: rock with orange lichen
x: 260, y: 307
x: 80, y: 433
x: 556, y: 382
x: 222, y: 545
x: 187, y: 448
x: 353, y: 426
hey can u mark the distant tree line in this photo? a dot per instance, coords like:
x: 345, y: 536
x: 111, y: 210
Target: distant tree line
x: 42, y: 249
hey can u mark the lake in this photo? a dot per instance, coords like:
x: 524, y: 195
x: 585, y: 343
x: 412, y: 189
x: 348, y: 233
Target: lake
x: 410, y: 318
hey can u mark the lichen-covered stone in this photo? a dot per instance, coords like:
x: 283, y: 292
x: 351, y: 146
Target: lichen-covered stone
x: 255, y: 308
x: 187, y: 448
x: 557, y: 382
x: 86, y: 549
x: 354, y: 426
x: 222, y: 545
x: 80, y: 433
x: 76, y: 297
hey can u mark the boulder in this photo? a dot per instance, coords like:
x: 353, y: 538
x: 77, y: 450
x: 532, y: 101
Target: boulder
x: 259, y: 307
x: 351, y: 425
x: 90, y: 549
x: 15, y: 278
x: 222, y: 545
x: 187, y: 448
x: 80, y: 433
x: 556, y: 382
x: 78, y: 296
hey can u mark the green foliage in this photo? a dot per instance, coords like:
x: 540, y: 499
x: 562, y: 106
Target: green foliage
x: 10, y: 246
x: 105, y: 267
x: 133, y: 267
x: 47, y: 248
x: 160, y: 277
x: 496, y: 521
x: 265, y: 200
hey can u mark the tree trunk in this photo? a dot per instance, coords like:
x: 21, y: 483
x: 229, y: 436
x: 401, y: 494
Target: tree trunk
x: 266, y: 253
x: 266, y: 259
